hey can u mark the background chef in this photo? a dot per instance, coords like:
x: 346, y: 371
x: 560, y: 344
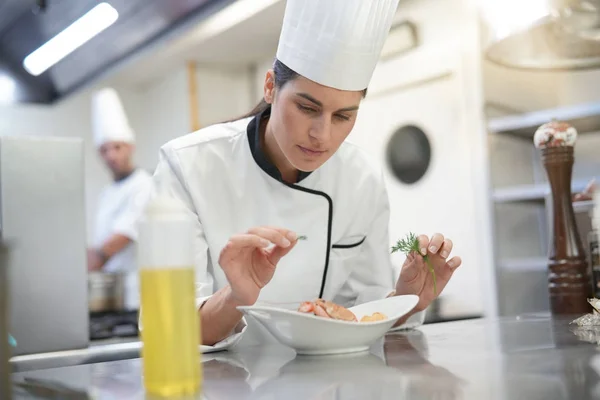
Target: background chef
x: 253, y: 185
x: 122, y: 201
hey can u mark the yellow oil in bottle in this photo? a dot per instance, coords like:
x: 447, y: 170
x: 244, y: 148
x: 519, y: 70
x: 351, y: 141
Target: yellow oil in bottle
x: 170, y: 332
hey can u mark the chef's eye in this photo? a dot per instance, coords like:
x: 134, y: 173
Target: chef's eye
x: 341, y: 117
x: 307, y: 110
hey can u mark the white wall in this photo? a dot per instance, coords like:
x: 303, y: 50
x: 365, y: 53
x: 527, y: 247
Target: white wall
x: 162, y: 113
x: 224, y: 93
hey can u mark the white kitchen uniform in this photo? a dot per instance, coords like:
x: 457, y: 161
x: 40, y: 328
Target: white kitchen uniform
x: 120, y: 206
x: 228, y: 186
x: 121, y: 203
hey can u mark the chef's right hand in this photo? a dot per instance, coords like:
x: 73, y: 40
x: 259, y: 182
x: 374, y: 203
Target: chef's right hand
x: 249, y: 263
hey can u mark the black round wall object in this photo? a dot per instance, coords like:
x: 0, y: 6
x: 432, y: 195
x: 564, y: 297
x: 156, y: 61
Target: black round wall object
x: 408, y: 154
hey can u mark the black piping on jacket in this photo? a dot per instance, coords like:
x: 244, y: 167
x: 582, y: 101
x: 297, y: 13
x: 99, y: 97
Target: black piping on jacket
x: 260, y: 158
x: 349, y: 246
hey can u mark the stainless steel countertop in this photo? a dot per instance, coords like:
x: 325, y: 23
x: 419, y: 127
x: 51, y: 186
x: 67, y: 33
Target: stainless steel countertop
x: 531, y: 357
x: 98, y: 351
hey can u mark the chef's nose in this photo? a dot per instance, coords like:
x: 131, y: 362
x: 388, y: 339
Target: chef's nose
x: 111, y: 154
x: 321, y: 129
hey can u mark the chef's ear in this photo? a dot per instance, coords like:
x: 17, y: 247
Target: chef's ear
x: 269, y: 87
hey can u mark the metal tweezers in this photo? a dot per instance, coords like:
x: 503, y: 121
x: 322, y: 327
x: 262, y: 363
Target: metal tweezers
x: 48, y: 389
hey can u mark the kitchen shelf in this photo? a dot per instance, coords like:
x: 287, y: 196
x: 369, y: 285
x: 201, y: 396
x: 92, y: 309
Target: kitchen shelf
x: 524, y: 264
x: 521, y: 193
x: 584, y: 117
x: 532, y: 193
x: 583, y: 206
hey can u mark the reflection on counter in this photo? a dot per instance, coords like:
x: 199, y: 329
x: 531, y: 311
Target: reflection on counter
x: 396, y: 369
x: 534, y: 357
x: 437, y: 312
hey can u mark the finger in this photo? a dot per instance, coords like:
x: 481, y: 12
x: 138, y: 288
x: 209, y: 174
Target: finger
x: 290, y: 235
x: 589, y: 189
x: 454, y: 263
x: 423, y: 243
x: 285, y: 232
x: 277, y: 253
x: 446, y: 271
x: 245, y: 241
x: 272, y: 235
x: 436, y: 243
x: 410, y: 271
x: 446, y: 248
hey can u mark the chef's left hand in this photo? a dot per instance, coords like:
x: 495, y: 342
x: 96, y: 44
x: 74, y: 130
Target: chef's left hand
x: 415, y: 276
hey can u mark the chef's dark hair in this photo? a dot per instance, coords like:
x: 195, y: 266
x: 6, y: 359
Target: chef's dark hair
x: 283, y: 74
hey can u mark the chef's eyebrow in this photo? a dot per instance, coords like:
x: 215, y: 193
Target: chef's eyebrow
x: 318, y: 103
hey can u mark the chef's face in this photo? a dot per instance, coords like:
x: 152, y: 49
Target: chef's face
x: 310, y: 121
x: 117, y: 156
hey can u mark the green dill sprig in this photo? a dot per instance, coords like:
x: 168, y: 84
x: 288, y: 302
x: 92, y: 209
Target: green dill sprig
x: 410, y: 244
x: 302, y: 237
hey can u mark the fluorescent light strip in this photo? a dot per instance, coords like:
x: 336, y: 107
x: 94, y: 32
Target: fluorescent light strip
x: 85, y: 28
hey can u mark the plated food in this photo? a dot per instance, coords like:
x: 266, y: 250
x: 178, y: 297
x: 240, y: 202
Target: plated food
x: 323, y: 327
x: 329, y: 309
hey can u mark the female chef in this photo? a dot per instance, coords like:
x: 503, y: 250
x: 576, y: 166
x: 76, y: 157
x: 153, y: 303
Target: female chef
x: 254, y: 185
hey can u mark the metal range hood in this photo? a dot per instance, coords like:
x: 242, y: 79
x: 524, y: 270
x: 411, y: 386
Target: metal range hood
x: 543, y: 34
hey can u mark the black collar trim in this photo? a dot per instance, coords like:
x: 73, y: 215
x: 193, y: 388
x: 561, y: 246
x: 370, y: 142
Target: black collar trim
x: 253, y: 131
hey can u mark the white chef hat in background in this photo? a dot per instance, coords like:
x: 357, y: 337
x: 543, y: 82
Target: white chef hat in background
x: 336, y: 43
x: 109, y: 121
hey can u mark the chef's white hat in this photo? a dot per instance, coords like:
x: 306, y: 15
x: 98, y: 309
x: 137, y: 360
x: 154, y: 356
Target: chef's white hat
x: 336, y: 43
x: 109, y: 121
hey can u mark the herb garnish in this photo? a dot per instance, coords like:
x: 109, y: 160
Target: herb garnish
x: 411, y: 244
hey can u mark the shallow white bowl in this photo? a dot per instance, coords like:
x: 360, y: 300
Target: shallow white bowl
x: 312, y: 335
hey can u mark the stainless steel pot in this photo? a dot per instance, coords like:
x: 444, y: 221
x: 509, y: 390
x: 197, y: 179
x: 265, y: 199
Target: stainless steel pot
x: 106, y: 292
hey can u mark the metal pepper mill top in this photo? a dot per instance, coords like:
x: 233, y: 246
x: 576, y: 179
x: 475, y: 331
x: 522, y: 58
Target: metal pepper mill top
x: 568, y: 280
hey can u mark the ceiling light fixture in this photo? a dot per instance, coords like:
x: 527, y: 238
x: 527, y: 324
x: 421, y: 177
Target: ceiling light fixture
x: 75, y: 35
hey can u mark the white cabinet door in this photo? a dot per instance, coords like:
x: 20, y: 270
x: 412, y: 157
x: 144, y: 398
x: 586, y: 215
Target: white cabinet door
x: 443, y: 200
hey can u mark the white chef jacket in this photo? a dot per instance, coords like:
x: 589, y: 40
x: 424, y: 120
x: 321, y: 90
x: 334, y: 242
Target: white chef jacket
x: 222, y: 176
x: 120, y: 206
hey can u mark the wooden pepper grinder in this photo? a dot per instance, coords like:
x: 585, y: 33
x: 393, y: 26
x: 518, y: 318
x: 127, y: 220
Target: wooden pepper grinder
x: 568, y: 280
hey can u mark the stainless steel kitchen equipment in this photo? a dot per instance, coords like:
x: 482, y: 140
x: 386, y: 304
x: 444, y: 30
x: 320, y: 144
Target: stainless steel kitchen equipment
x: 106, y: 292
x: 109, y: 316
x: 42, y: 207
x: 4, y: 351
x: 544, y: 34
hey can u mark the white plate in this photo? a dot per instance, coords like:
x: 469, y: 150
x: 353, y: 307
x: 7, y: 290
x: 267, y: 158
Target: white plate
x: 312, y: 335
